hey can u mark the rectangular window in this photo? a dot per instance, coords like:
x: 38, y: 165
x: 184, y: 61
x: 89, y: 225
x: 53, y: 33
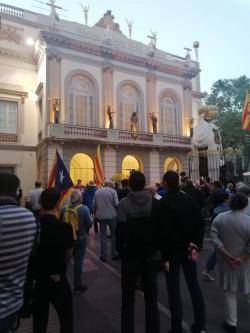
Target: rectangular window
x: 8, y: 117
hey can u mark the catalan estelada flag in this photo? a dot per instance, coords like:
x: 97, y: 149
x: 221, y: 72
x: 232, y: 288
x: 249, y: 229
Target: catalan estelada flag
x: 246, y: 113
x: 99, y: 175
x: 60, y: 178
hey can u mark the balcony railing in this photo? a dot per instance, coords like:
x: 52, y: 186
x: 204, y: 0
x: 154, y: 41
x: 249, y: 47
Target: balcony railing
x: 8, y: 138
x: 176, y: 139
x: 135, y: 136
x: 116, y: 136
x: 77, y: 131
x: 10, y: 10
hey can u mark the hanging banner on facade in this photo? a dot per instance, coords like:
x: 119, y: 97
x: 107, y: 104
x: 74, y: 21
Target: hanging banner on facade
x: 246, y: 113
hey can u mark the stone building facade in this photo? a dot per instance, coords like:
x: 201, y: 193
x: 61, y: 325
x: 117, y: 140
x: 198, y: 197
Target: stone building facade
x: 58, y: 79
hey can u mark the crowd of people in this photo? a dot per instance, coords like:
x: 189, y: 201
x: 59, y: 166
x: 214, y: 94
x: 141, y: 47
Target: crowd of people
x: 155, y: 228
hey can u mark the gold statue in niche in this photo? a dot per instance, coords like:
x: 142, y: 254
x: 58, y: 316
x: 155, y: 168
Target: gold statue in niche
x: 56, y: 106
x: 154, y: 120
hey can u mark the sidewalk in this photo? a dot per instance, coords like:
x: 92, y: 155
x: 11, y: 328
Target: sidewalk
x: 98, y: 310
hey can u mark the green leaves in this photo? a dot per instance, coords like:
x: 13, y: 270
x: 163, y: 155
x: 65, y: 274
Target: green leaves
x: 229, y: 96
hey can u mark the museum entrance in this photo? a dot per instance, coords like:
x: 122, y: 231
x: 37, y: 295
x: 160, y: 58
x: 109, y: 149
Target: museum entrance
x: 129, y: 164
x: 81, y: 167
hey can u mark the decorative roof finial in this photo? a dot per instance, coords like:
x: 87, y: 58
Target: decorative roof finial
x: 130, y: 26
x: 85, y: 12
x: 196, y: 45
x: 152, y: 43
x: 187, y: 56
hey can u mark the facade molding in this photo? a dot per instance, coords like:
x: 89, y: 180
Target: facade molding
x: 65, y: 42
x: 17, y: 55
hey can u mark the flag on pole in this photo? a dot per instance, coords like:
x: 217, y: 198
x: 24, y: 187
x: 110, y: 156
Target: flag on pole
x: 246, y: 113
x: 99, y: 176
x: 60, y: 178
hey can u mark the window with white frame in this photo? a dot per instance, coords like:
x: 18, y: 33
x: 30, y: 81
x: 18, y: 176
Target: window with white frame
x: 8, y: 116
x: 81, y: 92
x: 129, y: 102
x: 169, y: 115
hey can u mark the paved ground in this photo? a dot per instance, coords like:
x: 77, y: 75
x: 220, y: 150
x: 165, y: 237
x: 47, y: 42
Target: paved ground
x: 98, y: 310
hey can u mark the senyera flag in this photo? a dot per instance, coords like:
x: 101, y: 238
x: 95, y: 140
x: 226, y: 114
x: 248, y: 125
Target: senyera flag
x: 60, y: 179
x: 99, y: 176
x: 246, y: 113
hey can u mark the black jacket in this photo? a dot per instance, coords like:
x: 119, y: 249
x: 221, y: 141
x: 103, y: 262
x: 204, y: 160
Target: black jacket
x: 135, y: 232
x: 178, y: 221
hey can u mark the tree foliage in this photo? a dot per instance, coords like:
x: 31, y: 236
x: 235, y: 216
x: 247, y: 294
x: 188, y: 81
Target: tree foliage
x: 229, y: 96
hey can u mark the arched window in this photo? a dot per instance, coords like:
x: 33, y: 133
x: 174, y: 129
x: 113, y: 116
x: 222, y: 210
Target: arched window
x: 81, y: 167
x: 81, y: 92
x: 169, y: 115
x: 129, y: 102
x: 172, y: 164
x: 129, y: 164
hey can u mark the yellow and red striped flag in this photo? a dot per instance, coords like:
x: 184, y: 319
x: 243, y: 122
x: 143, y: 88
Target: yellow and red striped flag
x: 60, y: 179
x: 246, y: 113
x: 99, y: 175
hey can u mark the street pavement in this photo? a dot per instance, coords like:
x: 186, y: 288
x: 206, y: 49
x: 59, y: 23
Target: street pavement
x: 98, y: 310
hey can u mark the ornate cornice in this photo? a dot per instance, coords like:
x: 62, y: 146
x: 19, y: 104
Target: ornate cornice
x: 17, y: 55
x: 111, y: 53
x: 198, y: 94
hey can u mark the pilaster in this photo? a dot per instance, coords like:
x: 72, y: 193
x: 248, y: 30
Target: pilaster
x: 151, y: 100
x: 109, y: 163
x: 107, y: 93
x: 154, y: 163
x: 187, y: 108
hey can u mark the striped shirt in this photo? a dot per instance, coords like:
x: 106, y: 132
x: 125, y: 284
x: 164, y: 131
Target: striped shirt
x: 17, y: 235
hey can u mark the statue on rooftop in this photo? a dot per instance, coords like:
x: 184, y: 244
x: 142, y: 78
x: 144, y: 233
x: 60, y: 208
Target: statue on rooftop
x: 152, y: 43
x: 108, y: 20
x: 85, y: 12
x: 130, y: 26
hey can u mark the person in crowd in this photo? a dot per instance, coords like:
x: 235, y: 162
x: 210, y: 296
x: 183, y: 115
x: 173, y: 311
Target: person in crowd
x: 34, y: 198
x: 230, y: 189
x: 123, y: 192
x: 194, y: 192
x: 183, y: 178
x: 214, y: 198
x: 137, y: 245
x: 223, y: 206
x: 79, y: 187
x: 153, y: 193
x: 180, y: 230
x: 19, y: 196
x: 246, y: 190
x: 17, y: 235
x: 230, y: 233
x: 162, y: 191
x: 78, y: 214
x: 87, y: 199
x: 52, y: 255
x: 205, y: 186
x: 105, y: 204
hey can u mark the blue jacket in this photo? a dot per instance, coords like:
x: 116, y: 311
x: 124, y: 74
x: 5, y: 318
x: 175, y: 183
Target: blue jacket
x: 88, y: 196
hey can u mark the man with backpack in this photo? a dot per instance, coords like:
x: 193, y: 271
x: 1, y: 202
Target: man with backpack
x: 78, y: 215
x: 137, y: 246
x: 17, y: 235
